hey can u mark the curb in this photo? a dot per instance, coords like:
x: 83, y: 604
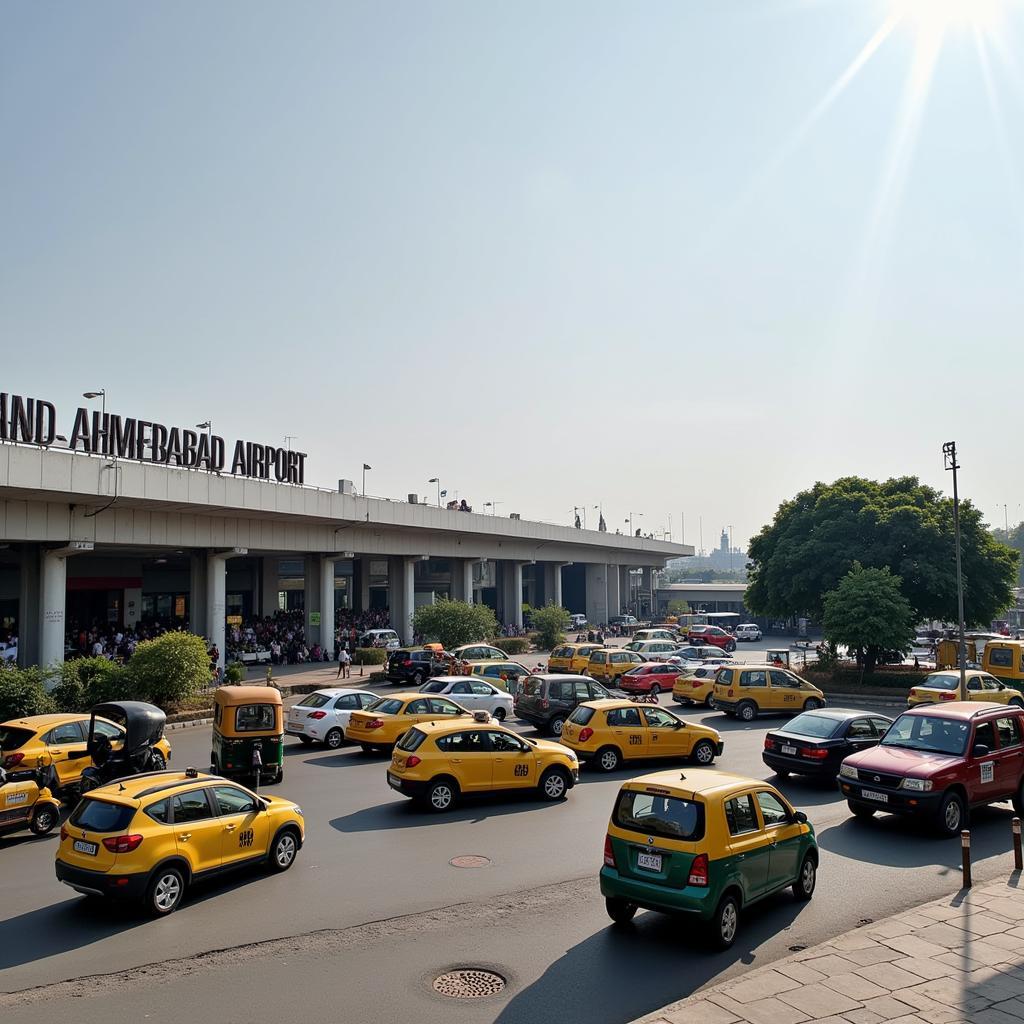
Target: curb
x: 185, y: 723
x: 864, y: 698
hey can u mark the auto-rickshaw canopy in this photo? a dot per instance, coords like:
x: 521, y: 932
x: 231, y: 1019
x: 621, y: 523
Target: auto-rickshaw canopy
x: 244, y: 711
x: 143, y: 723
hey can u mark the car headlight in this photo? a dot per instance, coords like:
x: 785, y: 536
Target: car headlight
x: 298, y: 810
x: 918, y: 785
x: 848, y: 771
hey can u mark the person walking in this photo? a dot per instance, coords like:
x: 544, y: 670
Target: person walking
x: 344, y: 660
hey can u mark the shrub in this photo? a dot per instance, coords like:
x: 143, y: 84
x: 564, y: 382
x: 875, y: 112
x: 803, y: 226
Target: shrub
x: 849, y: 678
x: 170, y: 668
x: 84, y: 682
x: 512, y: 644
x: 235, y: 673
x: 369, y: 656
x: 550, y: 622
x: 454, y: 623
x: 23, y: 692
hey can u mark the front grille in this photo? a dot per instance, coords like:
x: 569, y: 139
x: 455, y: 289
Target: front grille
x: 879, y: 779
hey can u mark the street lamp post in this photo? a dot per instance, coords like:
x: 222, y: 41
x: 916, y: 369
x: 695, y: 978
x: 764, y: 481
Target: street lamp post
x: 949, y: 458
x: 493, y: 506
x: 577, y: 509
x: 730, y: 549
x: 366, y: 466
x: 208, y: 427
x: 436, y: 480
x: 639, y: 515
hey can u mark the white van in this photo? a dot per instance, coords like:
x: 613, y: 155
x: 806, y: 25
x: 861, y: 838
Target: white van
x: 748, y: 631
x: 386, y: 638
x: 577, y: 621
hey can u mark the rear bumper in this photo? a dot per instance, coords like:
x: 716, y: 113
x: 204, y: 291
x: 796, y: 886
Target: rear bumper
x: 407, y: 787
x: 897, y: 801
x: 690, y: 900
x: 800, y: 765
x: 728, y: 706
x: 102, y: 883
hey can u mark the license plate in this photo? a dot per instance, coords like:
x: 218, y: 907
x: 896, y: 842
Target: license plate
x: 81, y: 846
x: 870, y: 794
x: 394, y: 781
x: 649, y: 861
x: 789, y: 750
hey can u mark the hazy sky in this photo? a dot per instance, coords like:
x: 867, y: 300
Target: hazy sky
x: 669, y: 257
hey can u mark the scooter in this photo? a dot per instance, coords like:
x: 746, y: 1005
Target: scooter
x: 27, y: 802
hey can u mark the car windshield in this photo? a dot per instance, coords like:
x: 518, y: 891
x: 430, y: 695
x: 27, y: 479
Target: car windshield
x: 314, y: 700
x: 386, y: 706
x: 942, y: 681
x: 411, y: 740
x: 809, y: 724
x: 99, y: 816
x: 11, y: 738
x: 930, y: 733
x: 668, y: 816
x: 434, y: 687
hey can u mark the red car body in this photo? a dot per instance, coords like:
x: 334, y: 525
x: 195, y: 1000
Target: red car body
x: 713, y: 635
x: 644, y: 677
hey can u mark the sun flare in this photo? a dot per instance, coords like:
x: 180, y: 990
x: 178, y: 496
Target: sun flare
x: 936, y: 17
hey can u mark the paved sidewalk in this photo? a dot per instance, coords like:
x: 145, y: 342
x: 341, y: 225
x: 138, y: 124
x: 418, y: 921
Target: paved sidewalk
x: 959, y: 959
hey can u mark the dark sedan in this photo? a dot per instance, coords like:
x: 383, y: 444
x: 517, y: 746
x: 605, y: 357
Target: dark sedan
x: 816, y: 742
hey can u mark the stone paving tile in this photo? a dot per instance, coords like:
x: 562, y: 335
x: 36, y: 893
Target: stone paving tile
x: 942, y: 933
x: 950, y: 991
x: 830, y: 964
x: 877, y: 955
x: 889, y: 1007
x: 1007, y: 941
x: 885, y: 929
x: 800, y: 972
x: 704, y: 1012
x: 863, y: 1017
x: 916, y: 919
x: 914, y: 945
x: 889, y: 977
x: 819, y: 1000
x: 1014, y: 1007
x: 993, y: 1016
x: 773, y: 1011
x: 909, y: 1019
x: 923, y: 967
x: 767, y: 983
x: 939, y: 1014
x: 994, y: 985
x: 958, y: 961
x: 978, y: 924
x: 859, y: 939
x: 1005, y: 906
x: 920, y: 998
x: 855, y: 986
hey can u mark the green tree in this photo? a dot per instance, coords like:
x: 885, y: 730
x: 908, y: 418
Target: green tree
x: 678, y: 608
x: 453, y: 623
x: 550, y: 624
x: 900, y: 524
x: 868, y: 613
x: 170, y: 668
x: 23, y: 692
x: 1015, y: 540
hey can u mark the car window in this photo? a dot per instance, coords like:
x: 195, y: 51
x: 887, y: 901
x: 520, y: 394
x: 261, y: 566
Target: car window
x: 98, y: 816
x: 974, y: 684
x: 624, y: 718
x: 230, y: 800
x: 985, y: 733
x: 581, y: 691
x: 881, y: 725
x: 771, y: 809
x: 1001, y: 657
x: 461, y: 688
x: 504, y: 743
x: 347, y: 702
x: 598, y: 692
x: 618, y: 658
x: 740, y: 815
x: 860, y: 728
x: 366, y: 699
x: 160, y: 811
x: 598, y: 657
x: 636, y: 659
x: 989, y: 683
x: 191, y: 807
x: 581, y: 715
x: 434, y: 687
x: 314, y: 700
x: 108, y: 729
x: 1009, y: 731
x: 724, y: 677
x: 668, y: 816
x: 754, y: 679
x: 659, y: 719
x: 69, y: 732
x: 386, y: 706
x: 418, y: 707
x: 438, y: 706
x: 411, y: 740
x: 784, y: 679
x: 472, y: 741
x: 254, y: 717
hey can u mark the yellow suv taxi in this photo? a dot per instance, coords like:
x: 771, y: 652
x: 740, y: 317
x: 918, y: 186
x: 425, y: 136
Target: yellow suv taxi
x: 695, y: 683
x: 437, y: 762
x: 42, y: 741
x: 379, y: 726
x: 149, y: 837
x: 571, y: 658
x: 608, y: 732
x: 744, y: 691
x: 606, y: 664
x: 943, y: 686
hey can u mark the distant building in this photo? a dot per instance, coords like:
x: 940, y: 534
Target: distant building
x: 723, y: 559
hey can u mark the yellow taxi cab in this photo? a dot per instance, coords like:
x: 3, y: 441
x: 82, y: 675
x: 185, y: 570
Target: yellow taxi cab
x: 606, y: 664
x: 695, y: 684
x: 58, y: 741
x: 501, y: 673
x: 571, y: 658
x: 707, y: 844
x: 147, y: 838
x: 478, y: 652
x: 943, y: 686
x: 744, y: 691
x: 379, y: 726
x: 437, y: 762
x: 608, y: 732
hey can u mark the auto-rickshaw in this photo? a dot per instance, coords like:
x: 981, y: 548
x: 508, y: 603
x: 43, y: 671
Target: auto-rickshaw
x: 777, y: 657
x: 248, y: 733
x: 143, y: 728
x: 1004, y: 659
x: 947, y: 654
x: 27, y: 802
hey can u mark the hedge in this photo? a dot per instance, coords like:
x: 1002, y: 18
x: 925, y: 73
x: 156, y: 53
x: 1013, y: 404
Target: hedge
x: 851, y: 678
x: 512, y: 644
x: 369, y: 656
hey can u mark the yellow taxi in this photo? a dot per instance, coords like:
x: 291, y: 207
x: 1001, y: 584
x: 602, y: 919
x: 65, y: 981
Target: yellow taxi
x: 478, y: 652
x: 707, y: 844
x: 571, y: 658
x: 149, y: 837
x: 437, y: 762
x: 59, y: 741
x: 943, y: 686
x: 501, y: 673
x: 606, y: 664
x: 695, y: 684
x: 608, y: 732
x: 745, y: 691
x: 379, y: 726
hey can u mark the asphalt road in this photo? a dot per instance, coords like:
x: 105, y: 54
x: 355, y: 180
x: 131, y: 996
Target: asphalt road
x: 373, y: 910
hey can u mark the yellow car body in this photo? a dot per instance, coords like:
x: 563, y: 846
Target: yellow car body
x: 748, y: 690
x: 945, y: 686
x: 499, y: 672
x: 478, y: 652
x: 608, y: 732
x: 436, y: 762
x: 608, y: 663
x: 42, y: 741
x: 382, y: 724
x: 149, y: 837
x: 571, y: 658
x: 695, y: 684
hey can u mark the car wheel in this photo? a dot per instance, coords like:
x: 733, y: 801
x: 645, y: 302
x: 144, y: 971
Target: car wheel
x: 283, y: 850
x: 781, y: 773
x: 731, y: 646
x: 812, y: 704
x: 703, y: 753
x: 862, y: 811
x: 952, y: 815
x: 726, y: 922
x: 165, y: 892
x: 707, y: 701
x: 44, y: 820
x: 334, y: 739
x: 747, y: 711
x: 1016, y: 702
x: 417, y: 679
x: 556, y: 724
x: 305, y: 740
x: 554, y: 784
x: 608, y: 759
x: 499, y: 714
x: 620, y: 911
x: 803, y: 887
x: 655, y: 690
x: 442, y: 795
x: 157, y: 761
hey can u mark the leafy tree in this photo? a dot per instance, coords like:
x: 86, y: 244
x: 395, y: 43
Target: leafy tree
x: 1015, y: 540
x: 550, y: 624
x: 170, y: 668
x: 678, y: 608
x: 816, y: 537
x: 869, y: 614
x: 23, y: 692
x: 453, y: 623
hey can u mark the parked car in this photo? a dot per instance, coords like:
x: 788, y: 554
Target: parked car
x: 652, y: 650
x: 748, y: 631
x: 412, y: 665
x: 386, y: 638
x: 321, y: 716
x: 577, y: 620
x: 654, y: 677
x: 472, y: 693
x: 816, y: 742
x: 479, y: 652
x: 745, y: 691
x: 695, y: 683
x: 700, y: 654
x: 625, y: 621
x: 711, y: 635
x: 546, y: 701
x: 655, y: 633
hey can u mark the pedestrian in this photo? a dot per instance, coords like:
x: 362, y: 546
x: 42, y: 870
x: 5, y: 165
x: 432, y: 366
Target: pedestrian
x: 344, y: 660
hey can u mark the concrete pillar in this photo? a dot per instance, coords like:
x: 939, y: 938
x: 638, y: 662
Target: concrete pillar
x: 596, y: 576
x: 197, y: 592
x: 52, y: 598
x: 517, y: 593
x: 311, y: 597
x: 361, y: 582
x: 625, y: 590
x: 216, y: 598
x: 326, y: 630
x: 614, y: 593
x: 556, y: 592
x: 28, y: 607
x: 269, y: 585
x: 402, y: 595
x: 462, y: 579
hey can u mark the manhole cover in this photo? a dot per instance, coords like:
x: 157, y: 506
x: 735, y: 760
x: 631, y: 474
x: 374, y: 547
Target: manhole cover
x: 469, y: 983
x: 469, y: 860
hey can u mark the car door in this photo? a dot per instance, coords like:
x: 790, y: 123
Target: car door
x: 442, y: 708
x: 468, y: 757
x: 1009, y: 767
x: 860, y: 734
x: 666, y: 735
x: 65, y: 746
x: 244, y: 826
x: 462, y: 694
x: 748, y: 845
x: 343, y: 707
x: 197, y: 830
x: 983, y: 781
x: 514, y: 761
x: 784, y: 691
x: 628, y: 731
x: 783, y: 835
x: 484, y: 695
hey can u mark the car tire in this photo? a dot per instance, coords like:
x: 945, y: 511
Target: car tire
x: 44, y: 820
x: 620, y: 911
x: 283, y: 850
x: 554, y: 784
x: 781, y: 773
x: 1016, y: 702
x: 442, y: 795
x: 726, y: 922
x: 334, y: 739
x: 812, y: 704
x: 747, y: 711
x: 707, y: 702
x: 417, y: 679
x: 157, y: 761
x: 655, y: 691
x: 499, y: 714
x: 556, y: 724
x: 608, y: 759
x: 703, y: 753
x: 952, y: 815
x: 305, y: 740
x: 731, y: 646
x: 165, y: 891
x: 803, y: 887
x: 865, y: 812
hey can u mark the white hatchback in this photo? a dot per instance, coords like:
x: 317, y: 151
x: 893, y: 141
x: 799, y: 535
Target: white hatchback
x: 321, y: 716
x: 748, y: 631
x: 473, y: 693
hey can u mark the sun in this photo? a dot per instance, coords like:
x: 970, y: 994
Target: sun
x: 936, y: 17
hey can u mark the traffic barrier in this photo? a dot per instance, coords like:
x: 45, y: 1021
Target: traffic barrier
x: 965, y: 850
x: 1018, y: 859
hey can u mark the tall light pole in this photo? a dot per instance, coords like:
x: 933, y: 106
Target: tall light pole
x: 639, y: 515
x: 366, y: 466
x: 577, y: 509
x: 493, y: 506
x: 101, y: 394
x: 949, y: 458
x: 436, y: 480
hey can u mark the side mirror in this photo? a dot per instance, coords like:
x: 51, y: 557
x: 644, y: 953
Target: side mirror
x: 800, y: 818
x: 261, y: 804
x: 980, y: 750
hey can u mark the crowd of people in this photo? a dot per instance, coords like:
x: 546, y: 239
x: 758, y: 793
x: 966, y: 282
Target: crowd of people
x: 113, y: 642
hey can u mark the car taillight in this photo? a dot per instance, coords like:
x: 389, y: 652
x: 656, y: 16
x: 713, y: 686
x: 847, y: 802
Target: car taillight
x: 63, y: 833
x: 950, y: 696
x: 769, y: 743
x: 913, y: 693
x: 375, y: 723
x: 697, y: 683
x: 407, y: 662
x: 609, y: 853
x: 815, y: 753
x: 730, y: 691
x: 318, y: 714
x: 412, y: 761
x: 585, y: 734
x: 699, y: 871
x: 122, y: 844
x: 12, y: 759
x: 544, y: 702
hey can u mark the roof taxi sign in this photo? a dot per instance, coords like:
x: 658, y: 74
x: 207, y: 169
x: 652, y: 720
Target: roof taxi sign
x: 34, y: 421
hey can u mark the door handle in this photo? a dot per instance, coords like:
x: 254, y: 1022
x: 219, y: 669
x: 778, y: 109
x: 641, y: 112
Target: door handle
x: 456, y: 760
x: 773, y: 844
x: 184, y: 836
x: 230, y: 828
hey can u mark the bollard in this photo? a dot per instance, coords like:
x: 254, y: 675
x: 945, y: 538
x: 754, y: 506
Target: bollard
x: 1018, y: 858
x: 965, y: 844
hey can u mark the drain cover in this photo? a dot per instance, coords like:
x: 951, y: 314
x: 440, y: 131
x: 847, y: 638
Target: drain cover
x: 469, y: 860
x: 469, y: 983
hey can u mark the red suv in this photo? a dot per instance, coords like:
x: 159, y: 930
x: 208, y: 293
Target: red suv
x: 938, y: 761
x: 711, y: 635
x: 654, y: 677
